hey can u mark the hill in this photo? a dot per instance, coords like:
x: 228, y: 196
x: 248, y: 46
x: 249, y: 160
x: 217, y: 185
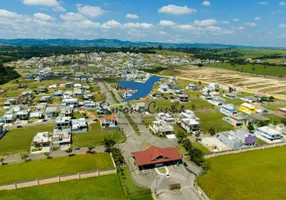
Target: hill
x: 111, y: 43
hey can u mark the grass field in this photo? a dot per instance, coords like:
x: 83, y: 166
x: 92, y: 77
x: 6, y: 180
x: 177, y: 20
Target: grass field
x: 254, y: 53
x: 213, y: 119
x: 95, y: 136
x: 252, y: 69
x: 19, y: 140
x: 86, y: 189
x: 53, y: 167
x: 252, y: 175
x: 129, y: 186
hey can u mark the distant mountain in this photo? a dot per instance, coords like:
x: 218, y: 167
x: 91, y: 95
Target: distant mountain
x: 112, y: 43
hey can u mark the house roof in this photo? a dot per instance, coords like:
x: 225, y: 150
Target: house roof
x: 154, y: 155
x: 110, y: 117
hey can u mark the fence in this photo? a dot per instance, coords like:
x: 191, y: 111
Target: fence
x: 57, y: 179
x: 253, y: 148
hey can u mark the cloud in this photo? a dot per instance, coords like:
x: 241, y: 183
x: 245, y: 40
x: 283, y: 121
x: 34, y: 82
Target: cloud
x: 199, y: 30
x: 72, y: 17
x: 282, y: 3
x: 187, y: 27
x: 257, y: 18
x: 176, y: 10
x: 239, y: 28
x: 263, y: 3
x: 207, y: 22
x: 59, y: 9
x: 136, y: 33
x: 251, y: 24
x: 282, y: 26
x: 111, y: 24
x: 167, y: 23
x: 8, y: 14
x: 49, y: 3
x: 138, y: 25
x: 43, y: 17
x: 132, y: 16
x: 90, y: 11
x: 224, y: 22
x: 206, y: 3
x: 235, y: 19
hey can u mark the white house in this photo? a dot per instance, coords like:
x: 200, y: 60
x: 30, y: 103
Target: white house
x: 268, y: 134
x: 228, y: 109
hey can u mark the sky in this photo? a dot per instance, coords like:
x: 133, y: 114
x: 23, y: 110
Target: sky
x: 240, y: 22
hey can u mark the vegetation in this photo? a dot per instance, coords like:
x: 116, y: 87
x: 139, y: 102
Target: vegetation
x: 252, y: 68
x: 246, y: 175
x: 213, y: 119
x: 95, y: 136
x: 7, y: 74
x: 85, y: 189
x: 53, y: 167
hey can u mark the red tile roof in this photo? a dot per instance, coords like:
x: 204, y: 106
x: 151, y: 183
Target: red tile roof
x: 148, y: 156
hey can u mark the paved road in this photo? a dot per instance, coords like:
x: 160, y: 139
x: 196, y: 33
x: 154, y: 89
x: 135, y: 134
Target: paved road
x: 54, y: 154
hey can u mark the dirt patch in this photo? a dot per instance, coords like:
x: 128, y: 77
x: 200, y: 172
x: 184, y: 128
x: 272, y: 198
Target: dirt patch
x: 243, y: 82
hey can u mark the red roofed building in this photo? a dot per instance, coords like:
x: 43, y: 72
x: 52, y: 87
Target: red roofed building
x: 155, y: 156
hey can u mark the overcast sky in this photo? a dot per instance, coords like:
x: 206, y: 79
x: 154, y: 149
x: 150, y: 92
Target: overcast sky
x: 245, y: 22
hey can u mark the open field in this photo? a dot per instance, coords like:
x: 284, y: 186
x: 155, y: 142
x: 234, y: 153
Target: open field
x: 86, y: 189
x: 252, y: 175
x: 254, y: 53
x: 19, y: 140
x: 241, y: 81
x: 53, y: 167
x: 252, y: 69
x: 213, y: 119
x: 95, y: 136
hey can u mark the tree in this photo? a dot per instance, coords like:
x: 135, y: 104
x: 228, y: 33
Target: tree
x: 212, y: 131
x: 284, y: 121
x: 24, y: 156
x: 193, y: 107
x: 262, y: 123
x: 2, y: 161
x: 108, y: 142
x: 69, y: 151
x: 117, y: 156
x: 197, y: 156
x: 271, y: 99
x: 250, y: 128
x: 90, y: 147
x: 181, y: 136
x: 187, y: 145
x: 47, y: 154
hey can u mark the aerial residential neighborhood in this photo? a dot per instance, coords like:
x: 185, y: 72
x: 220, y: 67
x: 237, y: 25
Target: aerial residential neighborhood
x: 141, y: 100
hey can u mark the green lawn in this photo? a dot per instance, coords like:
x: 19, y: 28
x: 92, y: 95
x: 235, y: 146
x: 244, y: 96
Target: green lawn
x: 53, y: 167
x: 252, y: 68
x: 19, y: 140
x: 95, y: 136
x: 274, y: 107
x: 103, y: 188
x: 252, y: 175
x: 274, y: 119
x: 235, y: 102
x: 213, y: 119
x: 199, y: 146
x: 129, y: 187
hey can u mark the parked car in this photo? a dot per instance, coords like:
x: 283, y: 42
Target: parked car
x: 90, y: 152
x: 76, y: 148
x: 107, y: 150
